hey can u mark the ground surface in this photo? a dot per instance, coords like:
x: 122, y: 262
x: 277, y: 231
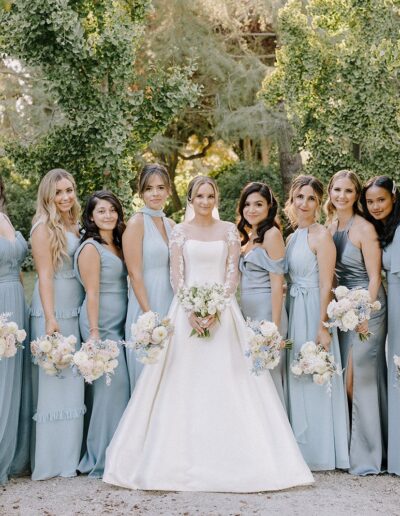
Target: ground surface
x: 333, y: 494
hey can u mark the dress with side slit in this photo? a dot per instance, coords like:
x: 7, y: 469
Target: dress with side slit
x: 368, y: 408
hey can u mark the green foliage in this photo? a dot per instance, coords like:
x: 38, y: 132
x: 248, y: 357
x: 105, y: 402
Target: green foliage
x: 86, y: 51
x: 337, y: 73
x: 232, y: 178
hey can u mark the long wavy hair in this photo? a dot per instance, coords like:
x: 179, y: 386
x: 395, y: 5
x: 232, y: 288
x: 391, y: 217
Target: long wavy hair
x: 297, y: 183
x: 270, y: 220
x: 149, y: 170
x: 3, y: 198
x: 89, y: 228
x: 198, y: 181
x: 385, y: 230
x: 48, y: 214
x: 329, y: 208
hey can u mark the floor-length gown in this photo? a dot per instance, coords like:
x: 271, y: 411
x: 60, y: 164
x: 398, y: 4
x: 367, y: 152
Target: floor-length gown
x: 58, y: 402
x: 319, y: 420
x: 155, y: 260
x: 105, y: 403
x: 368, y: 418
x: 391, y: 264
x: 256, y: 302
x: 14, y: 385
x: 198, y: 419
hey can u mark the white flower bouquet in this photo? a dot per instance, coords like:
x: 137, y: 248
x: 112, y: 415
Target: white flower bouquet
x: 53, y: 353
x: 202, y: 301
x: 95, y: 359
x: 316, y: 361
x: 396, y: 360
x: 11, y: 337
x: 351, y: 307
x: 148, y: 336
x: 265, y: 343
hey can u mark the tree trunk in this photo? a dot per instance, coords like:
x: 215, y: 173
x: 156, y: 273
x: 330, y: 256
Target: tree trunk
x: 289, y: 161
x: 265, y: 151
x: 171, y: 162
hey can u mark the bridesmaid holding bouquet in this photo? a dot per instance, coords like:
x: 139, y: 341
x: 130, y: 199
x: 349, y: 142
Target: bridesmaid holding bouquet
x: 14, y: 371
x: 262, y: 264
x: 145, y: 246
x: 100, y: 267
x: 57, y: 298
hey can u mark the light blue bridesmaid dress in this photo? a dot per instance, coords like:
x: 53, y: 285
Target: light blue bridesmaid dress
x: 391, y: 264
x: 14, y: 377
x: 58, y: 402
x: 156, y: 280
x: 256, y: 303
x: 319, y: 420
x: 105, y: 404
x: 368, y: 419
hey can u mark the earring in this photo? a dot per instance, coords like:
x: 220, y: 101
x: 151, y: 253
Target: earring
x: 394, y: 188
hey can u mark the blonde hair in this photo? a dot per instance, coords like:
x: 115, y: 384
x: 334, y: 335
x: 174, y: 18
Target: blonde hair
x: 198, y: 181
x: 150, y: 170
x: 329, y: 208
x: 47, y: 213
x: 297, y: 183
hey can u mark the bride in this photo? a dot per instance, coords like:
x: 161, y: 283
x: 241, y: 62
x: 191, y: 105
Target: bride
x: 198, y: 420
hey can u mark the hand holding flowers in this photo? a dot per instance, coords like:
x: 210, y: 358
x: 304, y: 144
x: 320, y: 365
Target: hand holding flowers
x: 148, y: 336
x: 351, y: 310
x: 53, y: 353
x: 95, y: 358
x: 11, y: 337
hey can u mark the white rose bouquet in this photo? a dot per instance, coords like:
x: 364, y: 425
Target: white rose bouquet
x: 148, y: 336
x: 202, y: 301
x: 351, y: 308
x: 11, y: 337
x: 316, y: 361
x: 265, y: 344
x: 95, y: 359
x: 53, y: 353
x: 396, y: 360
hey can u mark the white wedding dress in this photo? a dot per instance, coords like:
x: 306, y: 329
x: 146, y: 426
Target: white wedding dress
x: 198, y: 419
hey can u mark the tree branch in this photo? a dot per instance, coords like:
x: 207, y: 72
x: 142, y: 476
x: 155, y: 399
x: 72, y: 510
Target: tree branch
x: 197, y: 155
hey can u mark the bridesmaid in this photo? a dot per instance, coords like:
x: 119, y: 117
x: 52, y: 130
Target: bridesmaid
x: 57, y: 297
x: 100, y: 267
x: 319, y: 420
x: 14, y: 371
x: 380, y: 201
x: 145, y: 246
x: 262, y: 264
x: 358, y: 264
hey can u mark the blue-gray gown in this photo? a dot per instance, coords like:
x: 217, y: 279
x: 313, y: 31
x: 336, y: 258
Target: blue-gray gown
x: 391, y: 264
x: 319, y: 420
x: 105, y: 404
x: 15, y: 388
x: 368, y: 418
x: 156, y: 280
x: 58, y: 402
x: 256, y: 302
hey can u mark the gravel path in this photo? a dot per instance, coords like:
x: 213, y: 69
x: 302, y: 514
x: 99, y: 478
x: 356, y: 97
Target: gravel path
x: 333, y: 494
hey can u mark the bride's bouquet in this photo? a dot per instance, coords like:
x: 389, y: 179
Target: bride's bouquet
x: 316, y: 361
x: 11, y: 337
x: 53, y: 353
x: 351, y: 308
x: 265, y: 343
x: 148, y: 336
x: 95, y: 359
x: 202, y: 301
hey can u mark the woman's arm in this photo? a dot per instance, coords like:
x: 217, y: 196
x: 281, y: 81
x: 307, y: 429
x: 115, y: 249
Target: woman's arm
x: 89, y: 269
x: 132, y: 245
x: 275, y: 247
x: 41, y: 252
x: 326, y: 256
x: 372, y: 257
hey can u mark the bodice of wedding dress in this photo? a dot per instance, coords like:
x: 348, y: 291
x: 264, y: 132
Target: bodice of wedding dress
x: 215, y: 249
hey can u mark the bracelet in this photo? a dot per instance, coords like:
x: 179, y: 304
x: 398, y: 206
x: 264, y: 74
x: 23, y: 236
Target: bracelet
x: 94, y: 328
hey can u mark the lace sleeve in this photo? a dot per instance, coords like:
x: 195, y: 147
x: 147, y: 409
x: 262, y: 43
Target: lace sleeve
x: 176, y: 241
x: 232, y: 262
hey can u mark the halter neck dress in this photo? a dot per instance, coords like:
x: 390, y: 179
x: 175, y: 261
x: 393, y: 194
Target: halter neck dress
x: 319, y: 420
x: 368, y: 417
x: 155, y: 263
